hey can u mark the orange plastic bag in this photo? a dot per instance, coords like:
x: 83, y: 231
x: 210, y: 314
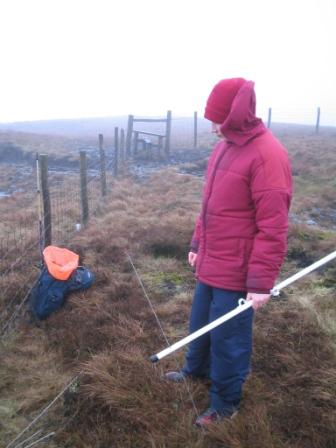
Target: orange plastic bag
x: 60, y: 262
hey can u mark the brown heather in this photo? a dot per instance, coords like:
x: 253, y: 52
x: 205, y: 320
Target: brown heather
x: 108, y: 333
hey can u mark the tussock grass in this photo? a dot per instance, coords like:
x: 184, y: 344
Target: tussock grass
x: 109, y: 331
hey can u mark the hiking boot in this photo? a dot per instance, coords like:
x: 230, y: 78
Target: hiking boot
x: 211, y: 416
x: 176, y: 377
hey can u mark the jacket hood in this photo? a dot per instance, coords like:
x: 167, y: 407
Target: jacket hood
x: 242, y: 125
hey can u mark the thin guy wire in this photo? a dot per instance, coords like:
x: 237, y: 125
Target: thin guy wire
x: 68, y: 422
x: 148, y: 299
x: 5, y: 291
x: 17, y: 292
x: 28, y: 439
x: 16, y: 312
x: 9, y: 270
x: 39, y: 440
x: 44, y: 411
x: 163, y: 333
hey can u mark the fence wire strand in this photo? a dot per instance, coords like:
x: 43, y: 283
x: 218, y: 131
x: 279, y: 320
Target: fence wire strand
x: 161, y: 327
x: 29, y: 439
x: 44, y: 410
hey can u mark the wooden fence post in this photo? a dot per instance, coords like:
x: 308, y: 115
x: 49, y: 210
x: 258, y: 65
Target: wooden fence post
x: 149, y: 150
x: 136, y: 138
x: 269, y: 120
x: 116, y: 152
x: 317, y: 127
x: 195, y: 130
x: 129, y: 135
x: 102, y: 159
x: 160, y: 145
x: 122, y: 146
x: 83, y: 188
x: 168, y: 132
x: 46, y: 206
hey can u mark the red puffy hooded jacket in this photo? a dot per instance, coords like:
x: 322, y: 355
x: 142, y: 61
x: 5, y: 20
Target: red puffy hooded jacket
x: 241, y: 233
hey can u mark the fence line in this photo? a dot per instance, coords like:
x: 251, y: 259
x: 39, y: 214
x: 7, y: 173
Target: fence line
x: 193, y: 132
x: 64, y: 197
x: 64, y: 204
x: 179, y: 132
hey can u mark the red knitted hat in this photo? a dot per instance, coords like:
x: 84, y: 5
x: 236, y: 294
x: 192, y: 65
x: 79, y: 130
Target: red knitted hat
x: 220, y: 100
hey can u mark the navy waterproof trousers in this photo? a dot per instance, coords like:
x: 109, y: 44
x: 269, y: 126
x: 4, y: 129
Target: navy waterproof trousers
x: 223, y: 354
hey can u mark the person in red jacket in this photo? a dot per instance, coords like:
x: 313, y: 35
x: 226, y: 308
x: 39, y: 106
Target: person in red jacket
x: 239, y: 242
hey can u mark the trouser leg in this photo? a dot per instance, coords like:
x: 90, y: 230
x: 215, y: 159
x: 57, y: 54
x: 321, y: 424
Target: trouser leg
x: 231, y: 348
x: 198, y: 355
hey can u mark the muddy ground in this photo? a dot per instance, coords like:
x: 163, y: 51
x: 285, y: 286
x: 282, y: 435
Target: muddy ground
x: 17, y: 174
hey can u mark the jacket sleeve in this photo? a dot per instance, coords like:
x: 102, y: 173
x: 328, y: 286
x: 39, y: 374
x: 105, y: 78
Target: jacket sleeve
x: 271, y: 195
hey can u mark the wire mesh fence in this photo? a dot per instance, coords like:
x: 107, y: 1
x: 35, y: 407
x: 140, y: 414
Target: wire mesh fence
x: 19, y: 251
x: 94, y: 190
x: 65, y: 207
x: 26, y: 221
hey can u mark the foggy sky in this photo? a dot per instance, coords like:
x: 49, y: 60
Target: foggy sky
x: 89, y: 58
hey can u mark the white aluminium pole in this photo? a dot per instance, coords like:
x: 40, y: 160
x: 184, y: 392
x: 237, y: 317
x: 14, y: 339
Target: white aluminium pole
x: 242, y: 306
x: 276, y: 290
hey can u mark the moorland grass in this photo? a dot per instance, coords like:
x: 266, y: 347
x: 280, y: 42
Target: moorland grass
x: 109, y: 331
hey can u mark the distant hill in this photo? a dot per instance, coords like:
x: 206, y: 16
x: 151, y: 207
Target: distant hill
x: 90, y: 127
x: 68, y: 127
